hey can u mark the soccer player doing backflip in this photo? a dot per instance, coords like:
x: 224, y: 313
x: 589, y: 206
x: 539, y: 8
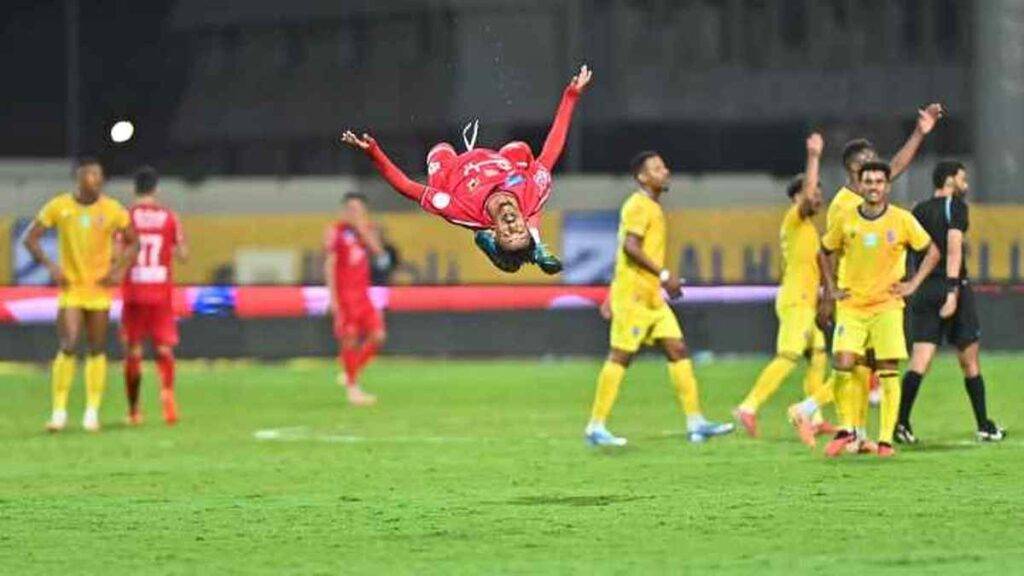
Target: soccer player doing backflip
x: 499, y: 194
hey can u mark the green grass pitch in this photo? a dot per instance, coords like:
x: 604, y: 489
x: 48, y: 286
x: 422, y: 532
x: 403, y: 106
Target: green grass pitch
x: 480, y: 467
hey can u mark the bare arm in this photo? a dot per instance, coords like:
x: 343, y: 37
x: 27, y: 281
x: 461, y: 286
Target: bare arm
x: 812, y: 169
x: 926, y: 120
x: 555, y: 141
x: 181, y: 252
x: 633, y: 247
x: 392, y: 174
x: 954, y: 252
x: 930, y: 261
x: 32, y: 244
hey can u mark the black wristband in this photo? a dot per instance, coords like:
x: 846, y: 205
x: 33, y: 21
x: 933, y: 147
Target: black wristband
x: 952, y: 284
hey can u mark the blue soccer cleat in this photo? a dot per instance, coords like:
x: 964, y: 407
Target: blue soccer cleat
x: 600, y: 436
x: 545, y: 260
x: 701, y: 432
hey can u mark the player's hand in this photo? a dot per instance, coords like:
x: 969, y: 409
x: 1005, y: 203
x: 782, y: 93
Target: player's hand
x: 928, y: 116
x: 364, y: 143
x: 949, y: 307
x: 815, y: 145
x: 903, y: 289
x: 57, y: 275
x: 112, y: 278
x: 606, y: 309
x: 580, y: 81
x: 673, y: 286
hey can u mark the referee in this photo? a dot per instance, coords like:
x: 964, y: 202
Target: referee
x: 943, y: 307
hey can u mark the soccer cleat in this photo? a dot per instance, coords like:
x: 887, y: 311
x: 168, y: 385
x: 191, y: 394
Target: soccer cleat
x: 838, y: 445
x: 705, y: 430
x: 58, y: 421
x: 885, y: 450
x: 825, y: 428
x: 748, y: 419
x: 357, y: 397
x: 904, y: 434
x: 600, y: 436
x: 545, y: 260
x: 864, y: 446
x: 91, y: 420
x: 489, y: 245
x: 803, y: 425
x: 991, y: 432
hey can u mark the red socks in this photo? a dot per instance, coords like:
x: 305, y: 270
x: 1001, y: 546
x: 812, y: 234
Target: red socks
x: 132, y: 381
x: 354, y: 359
x: 165, y: 366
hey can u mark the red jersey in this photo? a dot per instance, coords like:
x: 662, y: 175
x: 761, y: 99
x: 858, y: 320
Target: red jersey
x: 351, y: 260
x: 150, y: 279
x: 460, y: 194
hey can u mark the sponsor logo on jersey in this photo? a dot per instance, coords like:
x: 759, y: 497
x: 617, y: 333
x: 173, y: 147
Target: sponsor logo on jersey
x: 149, y: 218
x: 441, y: 200
x: 870, y: 240
x: 433, y: 167
x: 514, y: 180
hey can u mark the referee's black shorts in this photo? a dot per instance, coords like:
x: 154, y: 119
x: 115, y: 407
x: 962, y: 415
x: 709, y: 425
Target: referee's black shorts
x: 962, y: 330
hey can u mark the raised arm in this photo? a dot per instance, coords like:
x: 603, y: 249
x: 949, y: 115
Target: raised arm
x: 392, y: 174
x: 812, y: 192
x: 555, y: 141
x: 926, y: 120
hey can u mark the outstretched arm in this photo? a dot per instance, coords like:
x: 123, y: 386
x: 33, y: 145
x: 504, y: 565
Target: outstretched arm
x: 393, y: 174
x: 812, y: 193
x: 555, y: 141
x: 926, y: 120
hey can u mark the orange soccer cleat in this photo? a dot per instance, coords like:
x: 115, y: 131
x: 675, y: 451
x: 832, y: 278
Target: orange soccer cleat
x: 803, y: 425
x: 838, y: 445
x: 747, y: 419
x: 885, y: 450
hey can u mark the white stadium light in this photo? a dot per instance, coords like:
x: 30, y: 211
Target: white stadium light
x: 122, y: 131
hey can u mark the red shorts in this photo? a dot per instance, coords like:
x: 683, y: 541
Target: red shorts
x: 149, y: 321
x: 358, y: 318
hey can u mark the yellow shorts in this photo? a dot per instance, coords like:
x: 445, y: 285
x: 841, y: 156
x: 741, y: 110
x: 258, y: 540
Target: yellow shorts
x: 86, y: 298
x: 856, y: 332
x: 635, y: 325
x: 798, y: 332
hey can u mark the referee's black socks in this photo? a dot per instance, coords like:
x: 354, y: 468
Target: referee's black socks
x: 976, y: 391
x: 911, y: 384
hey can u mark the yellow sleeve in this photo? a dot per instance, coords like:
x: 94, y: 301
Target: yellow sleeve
x: 832, y: 214
x: 635, y: 218
x: 120, y: 218
x: 917, y: 236
x: 792, y: 218
x: 833, y: 238
x: 49, y: 213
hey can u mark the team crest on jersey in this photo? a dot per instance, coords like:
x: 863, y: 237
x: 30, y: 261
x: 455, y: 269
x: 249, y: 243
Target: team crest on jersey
x: 85, y: 221
x: 870, y: 240
x: 890, y: 236
x: 542, y: 178
x: 441, y: 200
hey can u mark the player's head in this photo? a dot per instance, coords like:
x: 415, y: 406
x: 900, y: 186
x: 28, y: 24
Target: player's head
x: 873, y: 178
x: 795, y: 191
x: 649, y: 169
x: 146, y: 181
x: 951, y: 173
x: 510, y: 229
x: 89, y: 175
x: 856, y: 153
x: 355, y: 206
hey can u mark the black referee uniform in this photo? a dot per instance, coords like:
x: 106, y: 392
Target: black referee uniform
x: 938, y: 216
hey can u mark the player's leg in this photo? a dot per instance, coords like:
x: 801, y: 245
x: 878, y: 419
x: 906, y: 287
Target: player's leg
x: 667, y: 332
x: 887, y: 337
x: 96, y: 322
x: 860, y: 393
x: 629, y: 325
x: 789, y: 345
x: 965, y: 333
x: 163, y: 330
x: 921, y: 356
x: 69, y: 330
x: 371, y: 338
x: 131, y: 343
x: 849, y: 342
x: 927, y: 329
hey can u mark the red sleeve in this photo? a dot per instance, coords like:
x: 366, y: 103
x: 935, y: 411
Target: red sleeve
x: 559, y: 129
x: 393, y: 174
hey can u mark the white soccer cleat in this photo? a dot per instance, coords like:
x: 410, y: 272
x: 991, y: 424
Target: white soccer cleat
x: 598, y: 435
x: 91, y: 420
x: 875, y: 396
x: 58, y: 421
x: 357, y: 397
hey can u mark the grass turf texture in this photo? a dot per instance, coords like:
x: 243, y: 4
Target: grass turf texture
x: 470, y: 467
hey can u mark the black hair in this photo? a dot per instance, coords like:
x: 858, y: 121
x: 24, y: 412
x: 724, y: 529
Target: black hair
x: 875, y: 166
x: 638, y: 161
x: 354, y: 196
x: 512, y: 260
x: 853, y: 148
x: 82, y: 161
x: 146, y: 179
x: 945, y: 169
x: 795, y: 186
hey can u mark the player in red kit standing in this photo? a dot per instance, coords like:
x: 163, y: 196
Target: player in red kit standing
x: 350, y: 245
x: 147, y: 291
x: 499, y: 194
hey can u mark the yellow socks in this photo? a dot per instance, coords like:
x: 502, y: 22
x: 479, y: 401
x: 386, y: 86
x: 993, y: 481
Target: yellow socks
x: 862, y: 379
x: 608, y: 382
x: 773, y: 375
x: 63, y: 373
x: 95, y: 380
x: 889, y: 411
x: 685, y: 383
x: 843, y: 387
x: 814, y: 379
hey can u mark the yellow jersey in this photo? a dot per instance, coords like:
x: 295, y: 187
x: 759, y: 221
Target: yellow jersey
x: 874, y: 256
x: 801, y: 275
x: 631, y: 284
x: 845, y: 199
x: 85, y: 236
